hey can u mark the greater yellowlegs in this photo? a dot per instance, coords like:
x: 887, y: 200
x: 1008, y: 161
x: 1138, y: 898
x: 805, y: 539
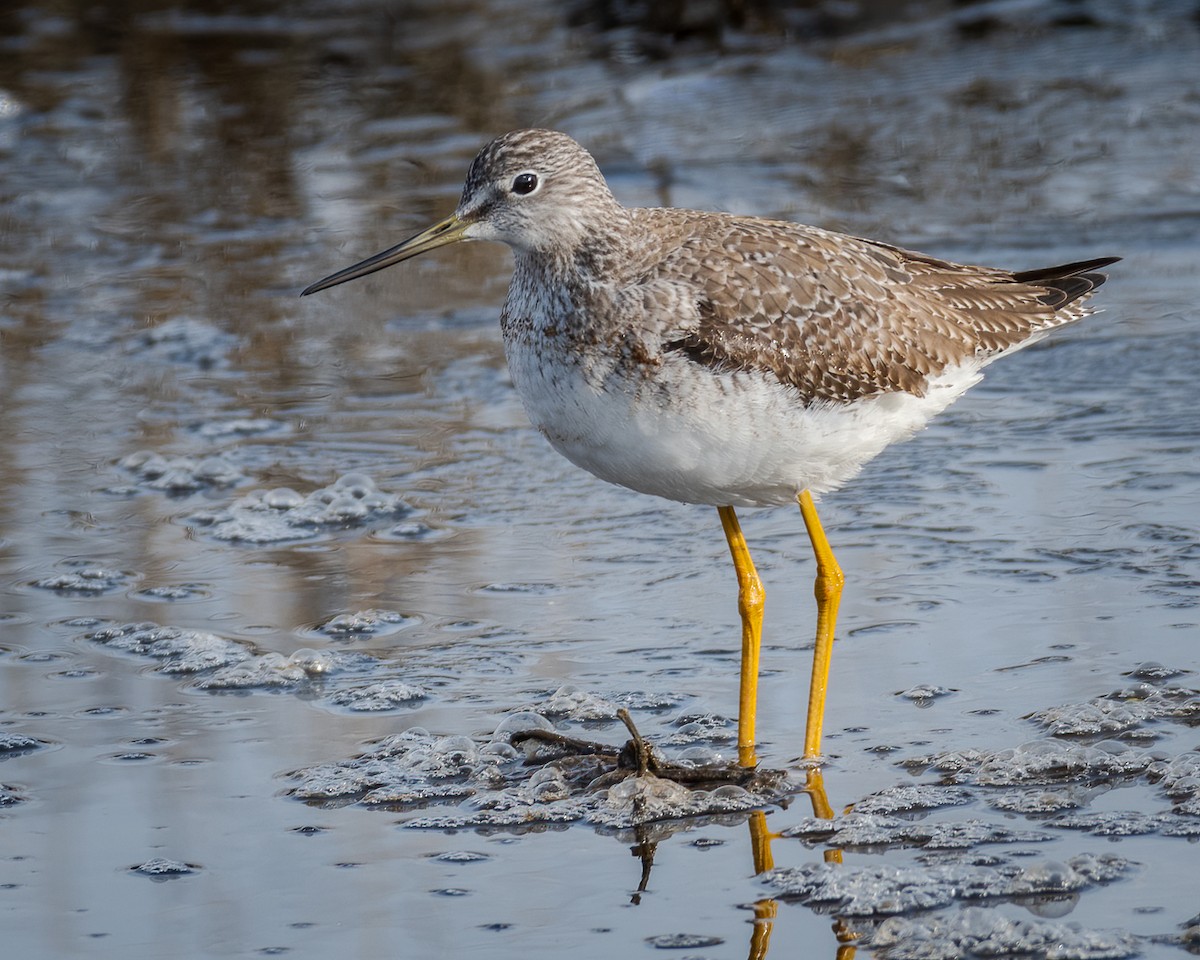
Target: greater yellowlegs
x: 725, y: 360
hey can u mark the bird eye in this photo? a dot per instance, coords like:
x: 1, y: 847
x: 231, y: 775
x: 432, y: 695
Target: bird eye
x: 524, y: 183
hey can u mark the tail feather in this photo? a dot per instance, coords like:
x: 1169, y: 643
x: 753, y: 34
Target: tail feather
x: 1067, y: 282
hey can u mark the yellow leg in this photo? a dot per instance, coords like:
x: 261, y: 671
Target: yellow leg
x: 828, y: 590
x: 751, y: 598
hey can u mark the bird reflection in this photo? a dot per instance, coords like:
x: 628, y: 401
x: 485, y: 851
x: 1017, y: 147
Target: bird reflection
x: 648, y: 837
x: 765, y: 910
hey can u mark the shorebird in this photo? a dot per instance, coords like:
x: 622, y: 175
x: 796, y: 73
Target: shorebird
x: 729, y: 360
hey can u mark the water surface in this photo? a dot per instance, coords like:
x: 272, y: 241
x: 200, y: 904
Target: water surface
x: 172, y: 177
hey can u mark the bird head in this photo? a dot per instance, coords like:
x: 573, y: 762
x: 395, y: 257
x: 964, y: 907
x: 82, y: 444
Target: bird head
x: 538, y: 191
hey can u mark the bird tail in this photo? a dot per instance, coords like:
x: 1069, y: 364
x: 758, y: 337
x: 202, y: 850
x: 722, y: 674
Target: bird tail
x: 1065, y: 284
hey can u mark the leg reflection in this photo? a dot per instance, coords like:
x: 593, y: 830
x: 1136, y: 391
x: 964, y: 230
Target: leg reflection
x: 766, y: 910
x: 815, y: 788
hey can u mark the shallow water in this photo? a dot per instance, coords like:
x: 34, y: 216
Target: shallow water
x: 172, y: 177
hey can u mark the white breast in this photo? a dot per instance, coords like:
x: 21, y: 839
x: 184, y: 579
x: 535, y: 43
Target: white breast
x: 683, y: 431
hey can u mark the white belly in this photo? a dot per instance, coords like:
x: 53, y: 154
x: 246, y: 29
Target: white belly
x: 685, y: 432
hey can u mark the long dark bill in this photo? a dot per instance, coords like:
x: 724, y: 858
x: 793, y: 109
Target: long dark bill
x: 447, y: 231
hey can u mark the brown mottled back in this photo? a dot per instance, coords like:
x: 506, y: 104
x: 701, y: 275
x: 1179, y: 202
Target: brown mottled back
x: 840, y: 317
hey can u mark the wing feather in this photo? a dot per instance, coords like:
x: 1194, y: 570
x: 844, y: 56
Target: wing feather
x: 840, y: 317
